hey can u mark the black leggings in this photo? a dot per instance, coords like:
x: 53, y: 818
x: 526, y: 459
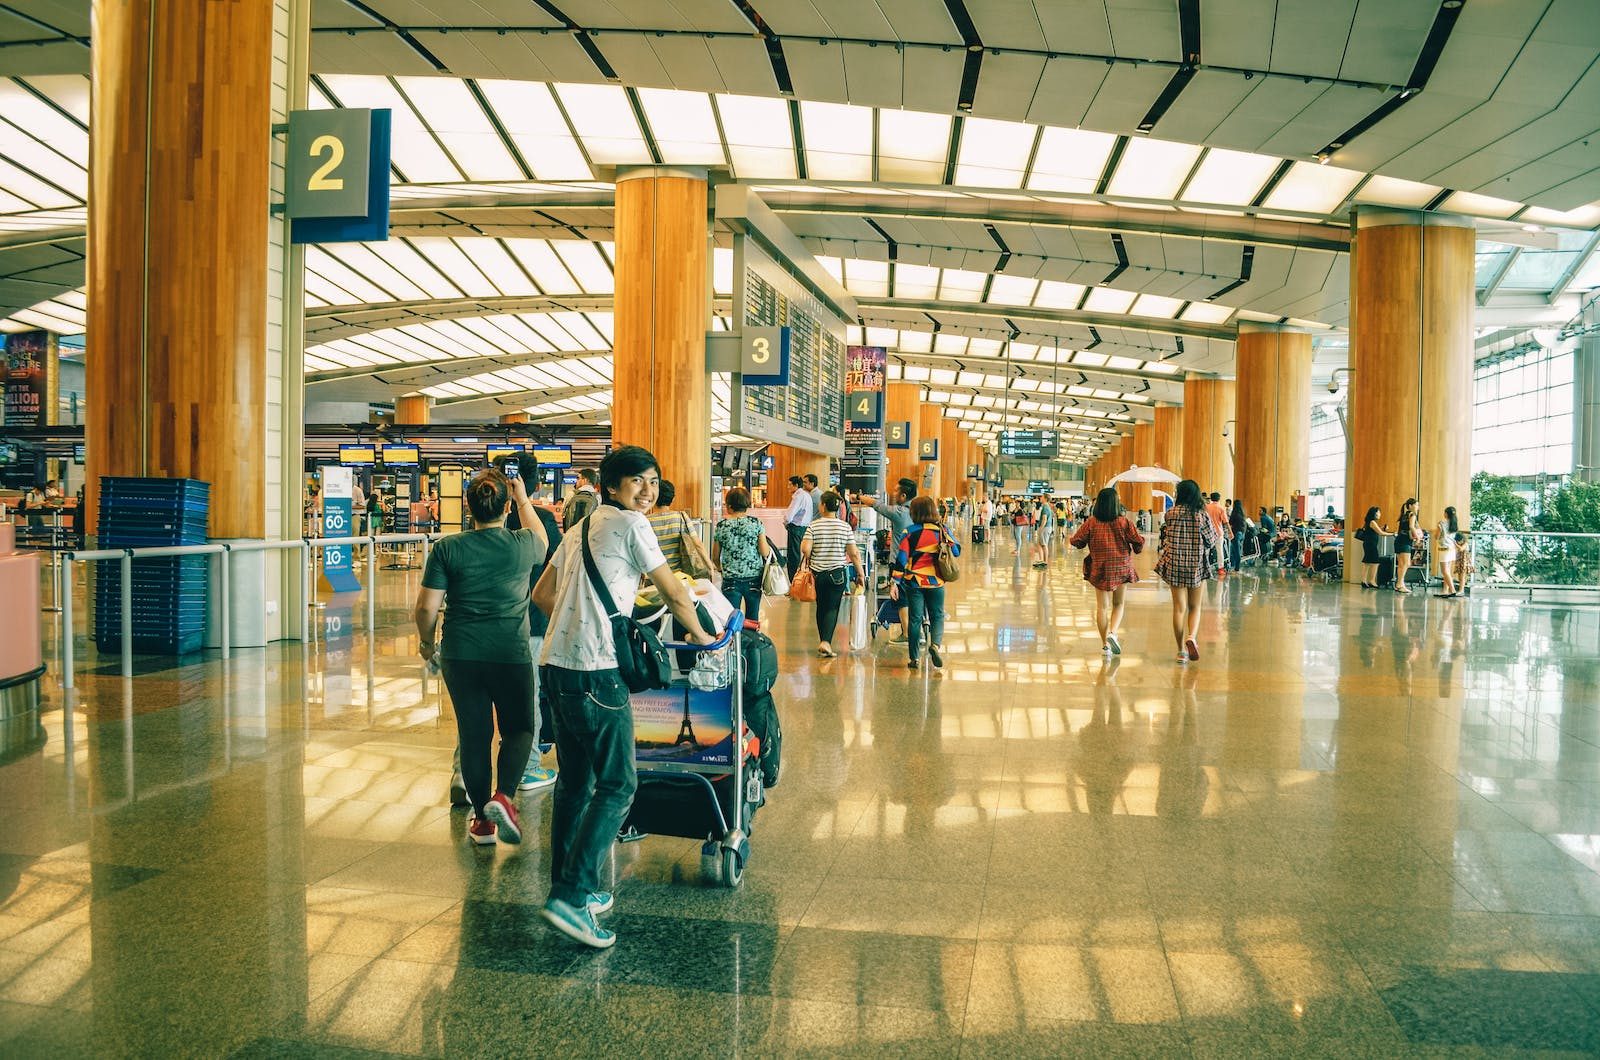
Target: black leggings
x: 830, y: 594
x: 483, y: 693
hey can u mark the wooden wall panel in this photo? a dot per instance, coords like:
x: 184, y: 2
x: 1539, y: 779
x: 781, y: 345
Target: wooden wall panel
x: 1412, y: 351
x: 177, y: 250
x: 900, y: 406
x: 417, y: 410
x: 1272, y: 439
x: 662, y: 394
x: 1169, y: 438
x: 927, y: 425
x: 952, y: 456
x: 1143, y: 453
x: 786, y: 461
x: 1207, y: 405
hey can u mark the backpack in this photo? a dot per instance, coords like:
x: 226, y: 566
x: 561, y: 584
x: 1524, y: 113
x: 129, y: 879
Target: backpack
x: 760, y: 662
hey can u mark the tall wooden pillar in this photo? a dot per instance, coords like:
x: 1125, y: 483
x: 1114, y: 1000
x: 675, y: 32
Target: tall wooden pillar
x: 1169, y: 444
x: 1272, y: 445
x: 1411, y: 348
x: 662, y: 394
x: 177, y: 255
x: 900, y: 403
x: 951, y: 454
x: 786, y: 461
x: 416, y: 410
x: 1144, y: 454
x: 1208, y: 405
x: 928, y: 425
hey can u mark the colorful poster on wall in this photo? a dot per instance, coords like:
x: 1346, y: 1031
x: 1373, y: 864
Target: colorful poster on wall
x: 338, y: 499
x: 30, y: 379
x: 862, y: 466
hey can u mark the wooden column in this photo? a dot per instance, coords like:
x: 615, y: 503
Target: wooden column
x: 177, y: 253
x: 1207, y: 405
x: 900, y: 404
x: 1169, y: 444
x: 1144, y: 454
x: 786, y: 461
x: 951, y: 455
x: 508, y: 417
x: 1411, y: 347
x: 1272, y: 439
x: 929, y: 419
x: 416, y: 410
x: 662, y: 394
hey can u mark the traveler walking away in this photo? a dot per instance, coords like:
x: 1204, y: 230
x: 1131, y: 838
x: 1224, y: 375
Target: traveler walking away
x: 1112, y: 541
x: 1219, y: 523
x: 1370, y: 532
x: 583, y: 500
x: 1408, y: 535
x: 795, y: 520
x: 919, y: 582
x: 482, y: 575
x: 1238, y: 526
x: 1189, y: 541
x: 1446, y: 541
x: 829, y: 551
x: 739, y: 549
x: 594, y: 725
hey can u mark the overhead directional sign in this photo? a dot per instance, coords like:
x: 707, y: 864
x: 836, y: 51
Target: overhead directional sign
x: 928, y: 449
x: 764, y: 356
x: 897, y: 435
x: 1030, y: 445
x: 338, y: 176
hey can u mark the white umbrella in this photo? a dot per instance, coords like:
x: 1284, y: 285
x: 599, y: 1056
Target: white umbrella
x: 1144, y: 474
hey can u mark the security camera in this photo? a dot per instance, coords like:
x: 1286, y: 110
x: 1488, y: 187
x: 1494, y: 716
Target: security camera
x: 1333, y: 385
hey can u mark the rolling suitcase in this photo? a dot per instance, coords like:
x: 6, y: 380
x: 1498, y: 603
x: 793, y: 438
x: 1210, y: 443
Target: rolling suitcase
x: 978, y: 534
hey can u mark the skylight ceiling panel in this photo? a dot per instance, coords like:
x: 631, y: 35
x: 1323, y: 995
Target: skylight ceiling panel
x: 868, y: 279
x: 452, y: 341
x: 70, y: 92
x: 553, y: 332
x: 684, y: 126
x: 544, y: 265
x: 947, y: 343
x: 1312, y: 188
x: 1583, y: 217
x: 916, y: 341
x: 1392, y: 191
x: 838, y: 140
x: 1479, y: 205
x: 525, y: 338
x: 1055, y: 295
x: 1151, y: 305
x: 912, y: 146
x: 1013, y: 290
x: 528, y: 113
x: 376, y: 349
x: 1107, y: 300
x: 448, y: 259
x: 915, y: 281
x: 415, y: 339
x: 760, y: 143
x: 497, y: 341
x: 1070, y: 160
x: 585, y: 262
x: 578, y: 326
x: 336, y: 272
x: 1068, y: 85
x: 1127, y: 93
x: 326, y: 291
x: 412, y: 148
x: 605, y: 123
x: 496, y: 263
x: 37, y: 193
x: 30, y: 124
x: 360, y: 258
x: 986, y: 347
x: 993, y: 154
x: 447, y: 107
x: 1152, y: 169
x: 1232, y: 178
x: 959, y: 285
x: 463, y: 340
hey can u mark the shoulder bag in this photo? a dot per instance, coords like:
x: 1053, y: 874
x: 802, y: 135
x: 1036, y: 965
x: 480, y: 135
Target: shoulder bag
x: 641, y: 660
x: 696, y: 564
x: 774, y: 579
x: 944, y: 560
x: 804, y: 586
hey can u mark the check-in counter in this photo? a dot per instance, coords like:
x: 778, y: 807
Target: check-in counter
x: 21, y: 661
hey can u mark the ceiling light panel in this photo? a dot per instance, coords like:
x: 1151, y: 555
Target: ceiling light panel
x: 1312, y: 188
x: 1392, y: 191
x: 527, y: 340
x: 1206, y: 313
x: 361, y: 258
x: 413, y: 149
x: 912, y: 146
x: 1107, y: 300
x: 1479, y: 205
x: 1152, y: 305
x: 1053, y: 294
x: 579, y: 328
x: 1582, y: 217
x: 528, y: 113
x: 1230, y: 178
x: 1070, y: 160
x: 334, y: 271
x: 994, y: 154
x: 915, y: 281
x: 1013, y: 290
x: 838, y: 139
x: 684, y: 126
x: 447, y: 107
x: 498, y: 265
x: 916, y: 342
x: 1152, y: 169
x: 448, y: 258
x: 888, y: 338
x: 404, y: 259
x: 959, y: 285
x: 866, y: 278
x: 760, y: 143
x: 605, y: 123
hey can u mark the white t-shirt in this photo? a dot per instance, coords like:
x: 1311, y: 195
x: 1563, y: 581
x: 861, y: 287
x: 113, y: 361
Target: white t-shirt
x: 624, y: 549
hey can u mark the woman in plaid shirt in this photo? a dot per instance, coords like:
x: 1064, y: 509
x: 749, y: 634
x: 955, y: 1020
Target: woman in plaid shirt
x: 1112, y: 540
x: 1189, y: 547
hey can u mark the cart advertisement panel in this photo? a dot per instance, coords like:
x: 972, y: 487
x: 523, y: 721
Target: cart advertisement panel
x: 683, y: 725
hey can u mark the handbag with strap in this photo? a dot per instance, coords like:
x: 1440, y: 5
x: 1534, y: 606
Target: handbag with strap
x: 774, y: 579
x: 641, y: 660
x: 804, y: 587
x: 696, y: 564
x: 944, y: 560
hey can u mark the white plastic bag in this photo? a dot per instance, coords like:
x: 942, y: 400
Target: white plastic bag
x: 708, y: 596
x: 860, y: 622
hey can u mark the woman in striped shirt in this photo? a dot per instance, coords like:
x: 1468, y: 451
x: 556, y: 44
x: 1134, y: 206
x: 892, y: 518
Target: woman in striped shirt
x: 917, y: 581
x: 828, y: 548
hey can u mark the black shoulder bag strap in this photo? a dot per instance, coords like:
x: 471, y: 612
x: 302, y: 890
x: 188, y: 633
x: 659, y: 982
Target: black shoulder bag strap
x: 641, y: 660
x: 595, y: 580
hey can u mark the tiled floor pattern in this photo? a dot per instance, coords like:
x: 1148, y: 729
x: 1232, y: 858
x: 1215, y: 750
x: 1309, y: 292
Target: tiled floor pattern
x: 1362, y: 825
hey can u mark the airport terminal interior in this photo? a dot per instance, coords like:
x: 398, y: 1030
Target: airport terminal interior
x: 284, y: 283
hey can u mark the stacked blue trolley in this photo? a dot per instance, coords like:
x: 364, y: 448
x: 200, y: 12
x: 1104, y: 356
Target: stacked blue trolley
x: 169, y: 593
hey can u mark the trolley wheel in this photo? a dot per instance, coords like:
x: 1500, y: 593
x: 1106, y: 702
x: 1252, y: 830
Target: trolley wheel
x: 732, y: 869
x: 711, y: 862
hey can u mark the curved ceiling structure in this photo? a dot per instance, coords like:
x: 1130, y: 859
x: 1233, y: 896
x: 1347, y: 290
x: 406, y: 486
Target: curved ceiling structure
x: 1083, y: 197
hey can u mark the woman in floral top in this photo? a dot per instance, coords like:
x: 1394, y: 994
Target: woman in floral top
x: 739, y: 549
x: 1189, y: 547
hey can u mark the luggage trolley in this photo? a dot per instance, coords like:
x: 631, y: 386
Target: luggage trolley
x: 699, y: 769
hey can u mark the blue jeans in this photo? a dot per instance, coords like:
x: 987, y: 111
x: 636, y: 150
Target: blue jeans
x: 746, y: 592
x: 1236, y: 550
x: 596, y: 781
x: 922, y: 601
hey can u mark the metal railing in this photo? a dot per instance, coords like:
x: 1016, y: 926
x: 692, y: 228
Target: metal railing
x: 308, y: 548
x: 1522, y: 560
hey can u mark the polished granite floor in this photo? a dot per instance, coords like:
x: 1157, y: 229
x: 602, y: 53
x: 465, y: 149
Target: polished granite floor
x: 1362, y: 825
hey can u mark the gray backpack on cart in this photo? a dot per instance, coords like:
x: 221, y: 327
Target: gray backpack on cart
x: 760, y: 711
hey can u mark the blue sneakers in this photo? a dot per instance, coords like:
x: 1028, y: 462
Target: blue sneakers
x: 577, y: 924
x: 536, y: 777
x: 599, y: 902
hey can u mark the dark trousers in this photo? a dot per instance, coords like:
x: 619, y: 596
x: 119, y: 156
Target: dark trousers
x: 596, y: 780
x: 791, y: 552
x: 744, y: 592
x: 923, y: 601
x: 830, y: 595
x: 483, y: 694
x: 1236, y: 550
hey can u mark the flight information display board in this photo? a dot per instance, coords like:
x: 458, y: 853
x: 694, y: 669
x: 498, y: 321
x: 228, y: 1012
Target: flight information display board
x: 808, y: 412
x: 1029, y: 445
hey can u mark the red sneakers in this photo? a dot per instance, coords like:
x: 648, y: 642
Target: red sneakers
x: 481, y: 831
x: 504, y: 815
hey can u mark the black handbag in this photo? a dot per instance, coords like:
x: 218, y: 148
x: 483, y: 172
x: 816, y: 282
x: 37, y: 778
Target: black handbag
x: 642, y: 662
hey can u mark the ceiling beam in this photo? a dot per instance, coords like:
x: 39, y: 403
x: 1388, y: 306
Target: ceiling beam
x: 417, y: 374
x: 326, y: 323
x: 1084, y: 318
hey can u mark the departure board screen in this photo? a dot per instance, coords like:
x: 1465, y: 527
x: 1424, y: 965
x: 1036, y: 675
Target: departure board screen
x: 809, y: 411
x: 1029, y: 445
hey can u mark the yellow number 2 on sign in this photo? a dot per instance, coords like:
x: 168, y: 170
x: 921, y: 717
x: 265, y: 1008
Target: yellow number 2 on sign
x: 334, y: 148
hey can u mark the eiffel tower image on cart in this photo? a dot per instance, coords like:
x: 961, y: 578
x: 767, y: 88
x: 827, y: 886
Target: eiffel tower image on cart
x: 686, y: 736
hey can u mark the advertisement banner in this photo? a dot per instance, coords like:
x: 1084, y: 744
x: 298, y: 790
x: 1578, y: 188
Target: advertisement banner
x: 30, y: 399
x: 683, y: 725
x: 862, y: 466
x: 338, y: 499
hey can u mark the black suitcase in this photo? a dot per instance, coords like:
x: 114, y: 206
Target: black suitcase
x: 978, y: 535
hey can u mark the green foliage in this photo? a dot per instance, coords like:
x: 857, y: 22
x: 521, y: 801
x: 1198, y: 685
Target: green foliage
x: 1496, y: 505
x: 1570, y: 508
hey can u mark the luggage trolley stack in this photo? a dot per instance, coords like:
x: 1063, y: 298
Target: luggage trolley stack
x: 169, y: 593
x: 698, y: 763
